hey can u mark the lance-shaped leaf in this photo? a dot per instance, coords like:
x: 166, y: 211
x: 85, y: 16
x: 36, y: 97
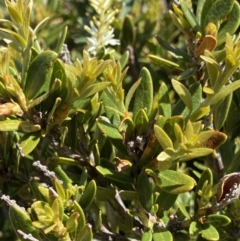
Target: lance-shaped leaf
x: 183, y: 93
x: 225, y: 91
x: 188, y: 14
x: 113, y: 175
x: 88, y: 195
x: 144, y: 93
x: 18, y: 125
x: 128, y: 33
x: 161, y: 62
x: 163, y: 137
x: 164, y: 101
x: 131, y: 92
x: 141, y: 122
x: 220, y: 112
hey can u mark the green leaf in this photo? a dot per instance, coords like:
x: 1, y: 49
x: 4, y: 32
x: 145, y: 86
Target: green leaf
x: 188, y: 14
x: 105, y: 194
x: 128, y: 33
x: 199, y: 11
x: 29, y: 142
x: 225, y: 91
x: 164, y: 63
x: 183, y: 93
x: 12, y: 36
x: 144, y: 93
x: 145, y: 192
x: 88, y: 195
x: 163, y: 137
x: 85, y: 233
x: 183, y: 209
x: 199, y: 113
x: 108, y: 129
x: 18, y: 125
x: 164, y: 101
x: 231, y: 24
x: 166, y: 200
x: 169, y: 125
x: 15, y: 14
x: 108, y: 101
x: 39, y: 75
x: 218, y: 11
x: 186, y: 74
x: 194, y: 228
x: 124, y: 59
x: 205, y: 177
x: 162, y: 236
x: 220, y: 112
x: 210, y: 233
x: 213, y: 67
x: 176, y: 182
x: 177, y: 51
x: 141, y: 122
x: 94, y: 88
x: 147, y: 236
x: 131, y: 92
x: 218, y: 220
x: 195, y: 152
x: 113, y: 175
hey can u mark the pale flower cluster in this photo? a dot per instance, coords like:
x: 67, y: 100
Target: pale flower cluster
x: 100, y: 27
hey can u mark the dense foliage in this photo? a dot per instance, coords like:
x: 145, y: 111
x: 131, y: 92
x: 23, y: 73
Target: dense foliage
x: 119, y: 120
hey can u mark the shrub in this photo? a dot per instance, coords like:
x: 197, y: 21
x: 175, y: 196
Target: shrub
x: 122, y: 123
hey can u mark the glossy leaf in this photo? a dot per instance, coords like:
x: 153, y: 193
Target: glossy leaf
x: 210, y: 233
x: 176, y: 182
x: 218, y: 220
